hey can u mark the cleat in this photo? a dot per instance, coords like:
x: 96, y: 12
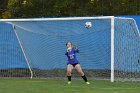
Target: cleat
x: 69, y: 82
x: 87, y: 83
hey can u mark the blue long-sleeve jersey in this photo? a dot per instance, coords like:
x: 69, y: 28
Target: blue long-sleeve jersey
x: 71, y: 56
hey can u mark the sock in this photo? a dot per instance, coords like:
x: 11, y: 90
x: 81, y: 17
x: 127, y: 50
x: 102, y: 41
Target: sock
x: 69, y: 78
x: 85, y: 78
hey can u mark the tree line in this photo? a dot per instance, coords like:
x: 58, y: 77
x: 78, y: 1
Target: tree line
x: 59, y: 8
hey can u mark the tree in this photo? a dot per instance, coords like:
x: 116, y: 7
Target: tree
x: 59, y: 8
x: 3, y: 4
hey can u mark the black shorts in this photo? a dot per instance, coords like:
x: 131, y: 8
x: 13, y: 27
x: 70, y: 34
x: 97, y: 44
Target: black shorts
x: 74, y: 64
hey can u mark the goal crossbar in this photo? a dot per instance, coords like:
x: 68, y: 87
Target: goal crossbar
x: 55, y: 19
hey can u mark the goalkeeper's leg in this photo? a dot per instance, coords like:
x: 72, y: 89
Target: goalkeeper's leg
x: 81, y: 73
x: 69, y: 71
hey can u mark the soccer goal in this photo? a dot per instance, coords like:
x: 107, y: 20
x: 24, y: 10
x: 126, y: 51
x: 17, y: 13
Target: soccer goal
x: 109, y: 47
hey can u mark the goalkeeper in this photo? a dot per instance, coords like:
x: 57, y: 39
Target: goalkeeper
x: 73, y: 62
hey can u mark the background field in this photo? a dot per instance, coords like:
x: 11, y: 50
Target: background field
x: 61, y: 86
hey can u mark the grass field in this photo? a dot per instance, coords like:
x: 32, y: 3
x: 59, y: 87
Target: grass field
x: 61, y: 86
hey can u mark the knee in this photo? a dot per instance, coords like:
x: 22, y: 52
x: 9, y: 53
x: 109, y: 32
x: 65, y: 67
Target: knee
x: 81, y: 73
x: 69, y: 72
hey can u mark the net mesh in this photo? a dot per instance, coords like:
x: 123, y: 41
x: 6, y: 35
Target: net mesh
x: 127, y: 51
x: 43, y: 43
x: 12, y: 61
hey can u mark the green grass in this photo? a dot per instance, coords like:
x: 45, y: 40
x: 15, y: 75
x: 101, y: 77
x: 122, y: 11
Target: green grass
x: 61, y: 86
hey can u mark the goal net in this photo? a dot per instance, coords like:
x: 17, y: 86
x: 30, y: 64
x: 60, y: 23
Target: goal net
x: 35, y: 48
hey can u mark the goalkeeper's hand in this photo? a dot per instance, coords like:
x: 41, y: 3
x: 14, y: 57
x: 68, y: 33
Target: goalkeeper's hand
x: 75, y: 46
